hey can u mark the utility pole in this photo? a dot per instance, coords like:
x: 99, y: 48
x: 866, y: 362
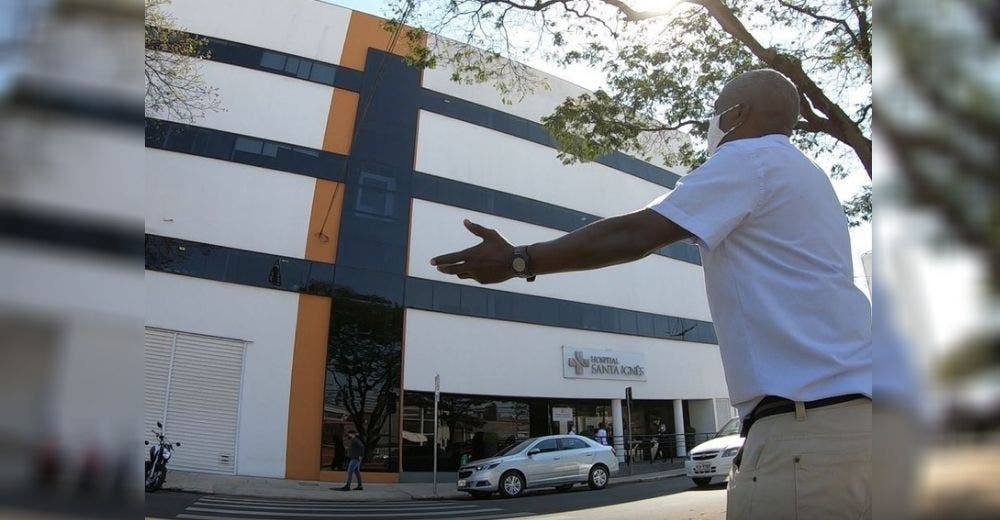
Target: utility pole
x: 628, y: 438
x: 437, y: 397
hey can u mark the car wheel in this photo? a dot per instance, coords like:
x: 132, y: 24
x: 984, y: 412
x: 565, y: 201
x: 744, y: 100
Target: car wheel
x: 480, y: 494
x: 511, y: 484
x: 598, y: 477
x: 564, y: 487
x: 701, y: 481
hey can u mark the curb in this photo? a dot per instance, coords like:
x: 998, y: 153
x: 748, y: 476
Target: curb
x: 408, y: 496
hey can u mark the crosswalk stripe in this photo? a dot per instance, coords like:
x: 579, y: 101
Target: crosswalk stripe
x: 330, y: 506
x: 476, y: 517
x: 208, y: 517
x: 334, y: 507
x: 411, y: 504
x: 331, y: 514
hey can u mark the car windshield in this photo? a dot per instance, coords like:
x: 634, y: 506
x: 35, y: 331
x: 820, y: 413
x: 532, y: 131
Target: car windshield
x: 514, y: 448
x: 731, y: 428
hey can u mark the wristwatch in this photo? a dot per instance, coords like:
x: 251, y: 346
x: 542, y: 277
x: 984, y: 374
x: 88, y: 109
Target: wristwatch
x: 521, y: 264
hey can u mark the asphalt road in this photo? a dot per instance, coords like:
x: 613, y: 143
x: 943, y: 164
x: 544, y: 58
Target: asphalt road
x: 673, y: 498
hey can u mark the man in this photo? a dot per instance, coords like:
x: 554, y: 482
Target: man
x: 602, y: 434
x: 356, y: 452
x: 662, y: 439
x: 794, y: 332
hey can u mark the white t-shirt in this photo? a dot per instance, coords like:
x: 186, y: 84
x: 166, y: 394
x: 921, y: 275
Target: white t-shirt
x: 602, y: 436
x: 777, y: 259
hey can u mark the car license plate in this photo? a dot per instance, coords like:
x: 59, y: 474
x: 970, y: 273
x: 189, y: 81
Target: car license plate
x: 462, y: 483
x: 703, y: 467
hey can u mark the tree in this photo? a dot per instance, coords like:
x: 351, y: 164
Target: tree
x: 665, y: 68
x: 363, y: 361
x: 174, y: 87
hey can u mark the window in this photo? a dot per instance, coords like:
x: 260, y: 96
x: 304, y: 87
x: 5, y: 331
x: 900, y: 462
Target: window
x: 304, y: 68
x: 375, y: 195
x: 272, y: 60
x: 322, y: 73
x: 570, y: 443
x: 249, y: 145
x: 547, y: 445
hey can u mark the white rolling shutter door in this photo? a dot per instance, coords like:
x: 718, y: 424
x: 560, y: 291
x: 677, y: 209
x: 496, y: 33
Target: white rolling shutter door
x: 158, y: 351
x: 202, y: 401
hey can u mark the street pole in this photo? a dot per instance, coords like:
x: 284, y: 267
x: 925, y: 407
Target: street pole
x: 628, y: 439
x: 437, y: 397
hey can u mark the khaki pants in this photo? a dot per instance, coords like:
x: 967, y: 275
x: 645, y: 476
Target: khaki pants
x: 811, y: 464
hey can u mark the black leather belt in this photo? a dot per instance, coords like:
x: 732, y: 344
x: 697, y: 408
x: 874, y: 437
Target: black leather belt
x: 773, y: 405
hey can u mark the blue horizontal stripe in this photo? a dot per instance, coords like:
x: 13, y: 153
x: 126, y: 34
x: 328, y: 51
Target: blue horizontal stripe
x: 224, y: 264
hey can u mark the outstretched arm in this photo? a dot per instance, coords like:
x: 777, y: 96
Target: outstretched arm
x: 609, y: 241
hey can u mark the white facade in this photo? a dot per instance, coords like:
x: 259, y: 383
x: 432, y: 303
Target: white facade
x: 308, y: 28
x: 263, y: 318
x: 265, y: 105
x: 228, y: 204
x: 654, y: 284
x: 492, y: 357
x: 472, y: 154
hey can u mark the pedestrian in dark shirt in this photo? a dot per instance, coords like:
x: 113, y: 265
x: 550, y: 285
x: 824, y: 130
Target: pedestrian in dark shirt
x: 662, y: 438
x: 355, y: 452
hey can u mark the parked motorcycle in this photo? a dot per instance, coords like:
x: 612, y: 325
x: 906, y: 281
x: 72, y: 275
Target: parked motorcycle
x: 159, y: 454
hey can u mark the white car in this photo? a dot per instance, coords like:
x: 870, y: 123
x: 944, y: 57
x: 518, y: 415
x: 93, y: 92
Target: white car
x: 714, y: 458
x: 558, y: 461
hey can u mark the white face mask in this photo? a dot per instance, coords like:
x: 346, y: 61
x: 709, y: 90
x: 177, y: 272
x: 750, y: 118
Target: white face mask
x: 715, y: 134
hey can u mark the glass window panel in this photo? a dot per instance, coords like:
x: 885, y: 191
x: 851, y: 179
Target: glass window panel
x: 249, y: 145
x: 292, y: 64
x: 304, y: 68
x: 573, y: 444
x: 546, y: 445
x: 270, y: 149
x: 322, y: 73
x: 645, y: 323
x: 272, y: 60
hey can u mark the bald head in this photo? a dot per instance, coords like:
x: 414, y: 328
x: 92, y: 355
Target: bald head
x: 769, y: 104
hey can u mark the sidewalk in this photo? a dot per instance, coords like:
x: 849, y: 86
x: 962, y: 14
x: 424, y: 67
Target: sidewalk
x: 311, y: 490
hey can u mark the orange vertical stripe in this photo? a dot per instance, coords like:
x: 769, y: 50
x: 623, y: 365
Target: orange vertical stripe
x: 324, y: 221
x: 365, y: 31
x: 305, y: 400
x: 340, y: 122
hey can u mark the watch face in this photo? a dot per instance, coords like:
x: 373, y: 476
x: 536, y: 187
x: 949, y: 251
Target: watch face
x: 519, y: 265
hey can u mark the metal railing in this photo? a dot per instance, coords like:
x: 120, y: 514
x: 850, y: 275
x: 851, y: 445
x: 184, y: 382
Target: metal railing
x: 644, y: 448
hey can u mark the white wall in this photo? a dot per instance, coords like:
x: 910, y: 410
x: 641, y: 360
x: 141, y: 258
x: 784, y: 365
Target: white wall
x: 545, y: 94
x: 227, y: 204
x: 469, y: 153
x: 307, y: 28
x: 540, y: 102
x: 701, y: 413
x: 493, y: 357
x: 265, y: 105
x: 266, y: 319
x: 654, y: 284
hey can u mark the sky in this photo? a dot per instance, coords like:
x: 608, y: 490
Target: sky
x: 592, y: 79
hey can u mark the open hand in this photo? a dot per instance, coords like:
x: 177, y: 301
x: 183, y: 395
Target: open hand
x: 488, y: 262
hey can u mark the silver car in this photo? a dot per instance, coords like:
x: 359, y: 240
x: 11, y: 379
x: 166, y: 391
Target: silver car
x: 558, y: 461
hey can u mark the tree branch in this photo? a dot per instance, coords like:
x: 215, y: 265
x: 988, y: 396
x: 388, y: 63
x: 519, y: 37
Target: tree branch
x: 635, y: 16
x: 841, y: 126
x: 813, y: 14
